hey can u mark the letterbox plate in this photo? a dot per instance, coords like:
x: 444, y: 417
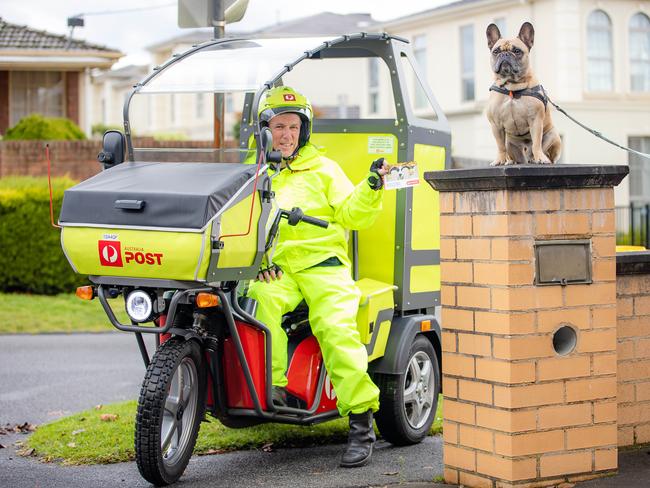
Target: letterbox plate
x: 563, y: 262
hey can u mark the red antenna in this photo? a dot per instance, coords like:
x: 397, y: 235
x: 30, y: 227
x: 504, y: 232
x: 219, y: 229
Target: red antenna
x: 49, y: 182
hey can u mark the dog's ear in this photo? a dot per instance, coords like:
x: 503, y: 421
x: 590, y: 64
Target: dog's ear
x: 527, y: 34
x: 493, y: 35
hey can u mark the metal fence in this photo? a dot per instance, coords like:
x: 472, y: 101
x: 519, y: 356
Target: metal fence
x: 632, y: 224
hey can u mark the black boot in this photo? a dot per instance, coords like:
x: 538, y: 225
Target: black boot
x: 360, y: 440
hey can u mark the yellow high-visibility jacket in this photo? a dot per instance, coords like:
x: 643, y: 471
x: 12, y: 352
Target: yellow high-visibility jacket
x: 321, y: 189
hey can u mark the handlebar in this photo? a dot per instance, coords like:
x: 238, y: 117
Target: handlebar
x: 297, y: 215
x: 293, y: 217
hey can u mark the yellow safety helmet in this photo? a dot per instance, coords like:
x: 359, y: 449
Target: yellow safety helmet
x: 283, y: 99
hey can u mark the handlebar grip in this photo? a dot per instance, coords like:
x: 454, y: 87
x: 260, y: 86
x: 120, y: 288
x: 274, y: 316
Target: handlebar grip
x: 314, y: 221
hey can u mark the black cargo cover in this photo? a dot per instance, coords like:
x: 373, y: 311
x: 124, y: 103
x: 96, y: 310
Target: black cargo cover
x: 177, y: 195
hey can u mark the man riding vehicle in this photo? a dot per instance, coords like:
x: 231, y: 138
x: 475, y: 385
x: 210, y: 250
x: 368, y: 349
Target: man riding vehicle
x: 311, y: 263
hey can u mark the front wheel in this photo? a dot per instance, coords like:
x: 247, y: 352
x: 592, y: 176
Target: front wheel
x: 170, y: 410
x: 408, y: 401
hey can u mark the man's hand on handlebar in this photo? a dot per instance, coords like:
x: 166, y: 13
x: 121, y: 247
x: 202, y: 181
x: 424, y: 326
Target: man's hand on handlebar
x: 269, y: 274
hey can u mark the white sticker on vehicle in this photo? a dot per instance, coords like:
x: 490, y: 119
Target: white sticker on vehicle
x: 329, y: 388
x: 380, y: 144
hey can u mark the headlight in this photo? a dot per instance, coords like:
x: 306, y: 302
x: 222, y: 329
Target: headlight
x: 139, y: 306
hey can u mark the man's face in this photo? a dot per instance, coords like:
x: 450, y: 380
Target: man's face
x: 286, y: 131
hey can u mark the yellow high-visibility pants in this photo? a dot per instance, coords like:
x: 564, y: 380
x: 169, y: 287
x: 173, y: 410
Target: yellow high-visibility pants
x: 333, y: 301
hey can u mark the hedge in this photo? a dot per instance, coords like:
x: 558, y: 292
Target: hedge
x: 31, y: 259
x: 35, y: 126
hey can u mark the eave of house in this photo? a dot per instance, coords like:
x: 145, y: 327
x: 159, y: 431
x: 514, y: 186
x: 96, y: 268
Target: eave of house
x: 34, y: 59
x: 448, y: 12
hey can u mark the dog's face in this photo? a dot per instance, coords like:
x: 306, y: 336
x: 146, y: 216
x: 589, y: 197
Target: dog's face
x: 509, y: 57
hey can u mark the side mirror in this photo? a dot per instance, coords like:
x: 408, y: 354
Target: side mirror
x: 114, y: 144
x: 267, y: 146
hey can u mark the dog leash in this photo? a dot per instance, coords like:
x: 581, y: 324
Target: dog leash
x: 595, y: 132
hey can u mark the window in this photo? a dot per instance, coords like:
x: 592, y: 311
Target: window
x: 200, y: 105
x: 338, y: 97
x: 467, y: 62
x: 172, y: 108
x: 229, y: 103
x: 420, y: 54
x: 373, y: 85
x: 426, y: 111
x: 500, y: 22
x: 600, y: 60
x: 36, y: 92
x: 640, y: 53
x: 639, y: 170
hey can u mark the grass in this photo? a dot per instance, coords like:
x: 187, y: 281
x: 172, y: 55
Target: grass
x: 84, y: 438
x: 35, y: 314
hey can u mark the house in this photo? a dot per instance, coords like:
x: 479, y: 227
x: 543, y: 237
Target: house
x: 592, y: 57
x: 47, y: 73
x: 191, y: 116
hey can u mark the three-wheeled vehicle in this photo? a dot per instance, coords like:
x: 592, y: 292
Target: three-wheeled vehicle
x: 176, y: 233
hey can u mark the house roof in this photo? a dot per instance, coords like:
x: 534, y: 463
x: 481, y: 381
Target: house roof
x: 322, y: 24
x: 14, y: 37
x: 441, y: 9
x: 22, y: 47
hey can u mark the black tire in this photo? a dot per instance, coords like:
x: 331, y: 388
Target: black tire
x: 407, y: 408
x: 170, y: 410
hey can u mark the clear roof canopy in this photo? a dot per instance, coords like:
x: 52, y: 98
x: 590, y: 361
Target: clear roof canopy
x: 237, y: 65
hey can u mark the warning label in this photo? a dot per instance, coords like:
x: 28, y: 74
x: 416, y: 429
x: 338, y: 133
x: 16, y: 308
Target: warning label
x: 380, y: 145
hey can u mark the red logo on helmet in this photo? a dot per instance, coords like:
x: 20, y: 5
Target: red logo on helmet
x: 288, y: 97
x: 110, y: 253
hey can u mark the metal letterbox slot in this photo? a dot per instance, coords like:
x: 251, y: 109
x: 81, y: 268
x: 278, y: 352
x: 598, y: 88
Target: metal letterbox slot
x: 563, y: 262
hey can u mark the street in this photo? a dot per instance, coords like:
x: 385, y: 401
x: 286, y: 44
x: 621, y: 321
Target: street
x: 47, y: 376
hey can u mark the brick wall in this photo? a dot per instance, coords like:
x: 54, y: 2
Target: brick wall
x: 515, y: 410
x: 633, y: 311
x: 77, y: 159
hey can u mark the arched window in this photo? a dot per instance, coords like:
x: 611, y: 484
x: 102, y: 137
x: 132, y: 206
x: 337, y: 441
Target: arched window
x: 640, y: 53
x: 600, y: 60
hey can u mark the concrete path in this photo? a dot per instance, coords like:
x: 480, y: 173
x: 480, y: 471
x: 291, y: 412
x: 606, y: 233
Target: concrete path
x: 47, y: 376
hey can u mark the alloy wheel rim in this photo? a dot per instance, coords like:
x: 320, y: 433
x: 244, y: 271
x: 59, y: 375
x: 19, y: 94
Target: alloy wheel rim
x: 418, y: 388
x: 179, y: 412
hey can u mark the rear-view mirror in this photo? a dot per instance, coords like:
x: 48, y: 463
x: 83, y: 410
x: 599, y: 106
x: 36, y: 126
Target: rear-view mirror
x: 113, y: 146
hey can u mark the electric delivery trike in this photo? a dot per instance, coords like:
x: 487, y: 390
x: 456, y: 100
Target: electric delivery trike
x: 175, y: 233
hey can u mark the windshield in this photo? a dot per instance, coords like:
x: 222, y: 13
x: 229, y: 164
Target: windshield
x: 237, y: 65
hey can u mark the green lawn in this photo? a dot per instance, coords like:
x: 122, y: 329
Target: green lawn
x: 84, y: 438
x: 35, y: 314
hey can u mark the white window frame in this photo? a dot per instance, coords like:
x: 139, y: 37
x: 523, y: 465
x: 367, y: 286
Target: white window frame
x: 467, y: 67
x: 592, y: 82
x: 643, y: 62
x: 420, y: 100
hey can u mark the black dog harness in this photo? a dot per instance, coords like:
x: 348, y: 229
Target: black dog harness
x: 535, y: 91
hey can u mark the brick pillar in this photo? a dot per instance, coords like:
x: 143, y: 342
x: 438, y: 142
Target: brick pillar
x: 519, y: 411
x: 4, y: 101
x: 72, y: 96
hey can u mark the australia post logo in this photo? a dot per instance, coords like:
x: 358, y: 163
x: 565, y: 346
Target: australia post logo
x: 289, y: 97
x: 110, y: 253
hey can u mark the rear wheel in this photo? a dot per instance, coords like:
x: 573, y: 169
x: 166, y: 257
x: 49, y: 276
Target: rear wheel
x: 170, y: 410
x: 408, y: 401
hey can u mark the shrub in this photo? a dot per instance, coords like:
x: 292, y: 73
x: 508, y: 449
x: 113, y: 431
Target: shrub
x: 35, y: 126
x: 31, y: 259
x: 97, y: 130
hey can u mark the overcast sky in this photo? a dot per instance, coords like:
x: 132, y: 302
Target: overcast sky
x: 130, y: 32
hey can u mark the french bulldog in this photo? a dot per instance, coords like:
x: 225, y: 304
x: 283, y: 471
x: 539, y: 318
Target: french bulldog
x: 517, y: 106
